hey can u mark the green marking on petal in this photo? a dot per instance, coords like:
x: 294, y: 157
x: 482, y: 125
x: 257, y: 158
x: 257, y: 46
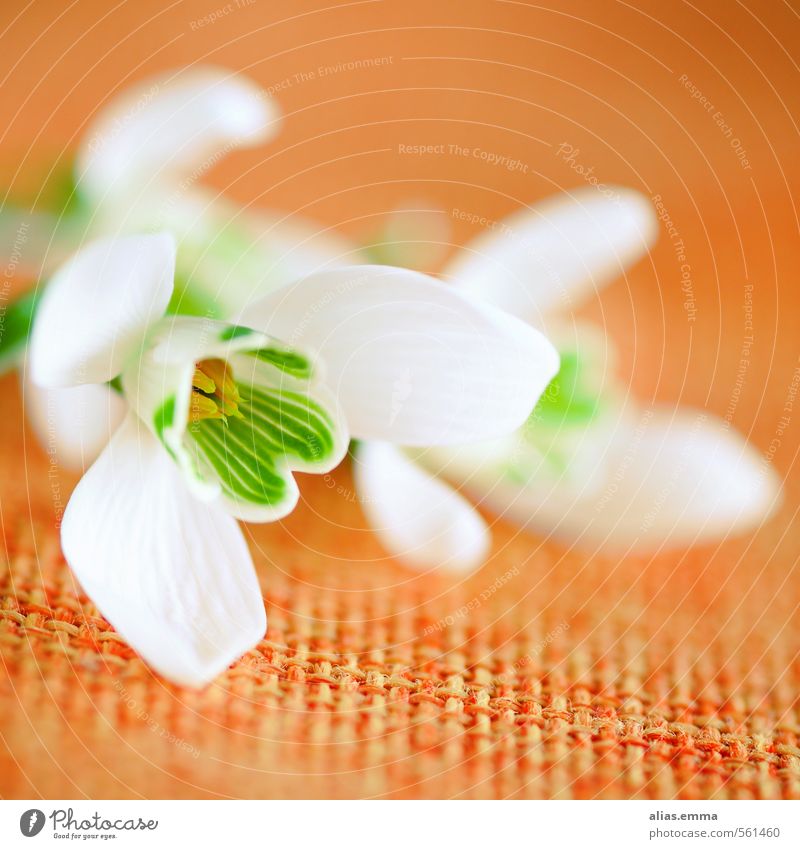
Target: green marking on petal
x: 253, y: 452
x: 568, y: 400
x: 569, y: 405
x: 288, y: 361
x: 303, y: 429
x: 164, y: 417
x: 234, y: 331
x: 246, y: 471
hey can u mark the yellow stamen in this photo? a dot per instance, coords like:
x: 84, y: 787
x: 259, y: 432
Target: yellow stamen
x: 203, y: 407
x: 219, y: 372
x: 214, y: 392
x: 203, y: 382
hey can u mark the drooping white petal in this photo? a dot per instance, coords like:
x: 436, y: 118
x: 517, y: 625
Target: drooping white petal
x: 420, y: 519
x: 171, y: 574
x: 287, y: 419
x: 411, y: 361
x: 555, y: 254
x: 74, y: 423
x: 176, y: 125
x: 679, y: 478
x: 97, y: 308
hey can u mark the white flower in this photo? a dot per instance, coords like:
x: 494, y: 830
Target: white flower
x: 411, y: 360
x: 221, y: 413
x: 591, y: 467
x: 139, y: 168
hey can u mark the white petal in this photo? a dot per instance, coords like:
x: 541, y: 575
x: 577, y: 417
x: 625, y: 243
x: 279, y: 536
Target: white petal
x: 411, y: 361
x: 676, y: 480
x: 169, y: 126
x: 73, y: 423
x: 557, y: 253
x: 172, y: 575
x: 419, y: 519
x: 96, y: 309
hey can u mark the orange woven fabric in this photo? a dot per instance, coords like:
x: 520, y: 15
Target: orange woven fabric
x: 550, y: 672
x: 542, y: 676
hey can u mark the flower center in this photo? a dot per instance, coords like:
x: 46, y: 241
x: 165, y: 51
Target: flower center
x: 214, y: 392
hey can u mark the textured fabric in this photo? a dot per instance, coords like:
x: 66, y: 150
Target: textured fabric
x: 546, y: 674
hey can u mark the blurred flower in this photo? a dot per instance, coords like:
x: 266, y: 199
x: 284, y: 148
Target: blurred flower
x: 415, y: 234
x: 590, y: 466
x: 139, y: 168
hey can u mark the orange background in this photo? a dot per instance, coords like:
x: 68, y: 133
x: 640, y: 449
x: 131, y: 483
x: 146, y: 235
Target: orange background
x: 678, y: 673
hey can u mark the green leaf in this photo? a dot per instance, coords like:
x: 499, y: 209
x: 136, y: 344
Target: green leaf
x: 58, y: 193
x: 164, y: 416
x: 16, y: 322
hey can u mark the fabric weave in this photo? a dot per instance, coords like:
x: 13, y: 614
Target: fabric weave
x: 547, y: 674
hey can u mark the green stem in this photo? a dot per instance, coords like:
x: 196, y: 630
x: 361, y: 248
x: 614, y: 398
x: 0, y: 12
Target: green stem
x: 16, y: 321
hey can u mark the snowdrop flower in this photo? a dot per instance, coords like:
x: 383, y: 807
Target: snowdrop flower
x: 139, y: 168
x: 590, y: 466
x: 220, y: 413
x: 219, y: 417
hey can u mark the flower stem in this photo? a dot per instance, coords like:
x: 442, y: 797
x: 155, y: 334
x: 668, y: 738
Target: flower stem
x: 16, y: 321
